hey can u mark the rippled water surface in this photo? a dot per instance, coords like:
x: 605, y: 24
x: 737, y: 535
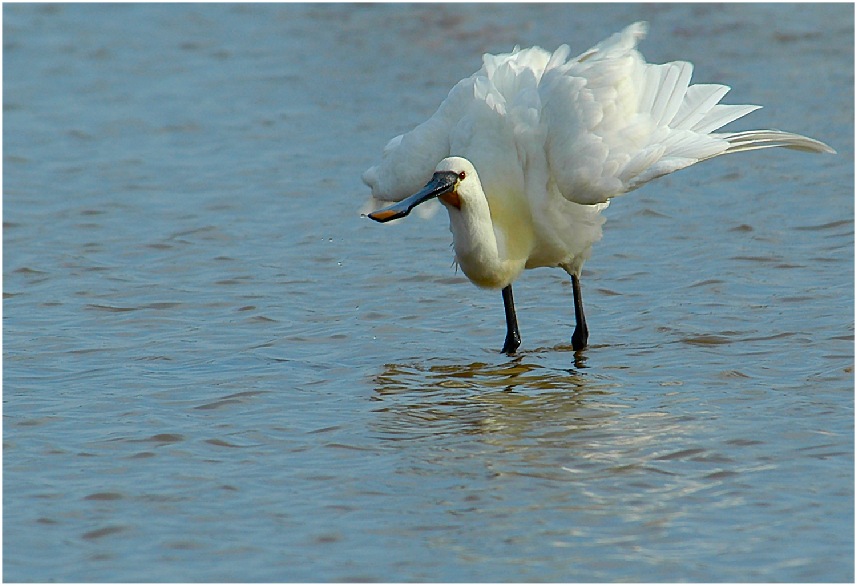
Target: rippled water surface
x: 216, y: 370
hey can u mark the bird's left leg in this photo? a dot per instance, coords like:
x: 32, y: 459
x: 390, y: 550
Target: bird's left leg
x: 581, y: 333
x: 513, y: 336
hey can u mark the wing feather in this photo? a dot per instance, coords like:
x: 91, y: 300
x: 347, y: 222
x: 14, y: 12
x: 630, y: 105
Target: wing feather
x: 591, y: 127
x: 765, y: 139
x: 616, y: 122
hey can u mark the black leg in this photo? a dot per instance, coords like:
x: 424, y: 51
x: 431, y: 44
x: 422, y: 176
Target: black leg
x: 581, y: 332
x: 513, y: 336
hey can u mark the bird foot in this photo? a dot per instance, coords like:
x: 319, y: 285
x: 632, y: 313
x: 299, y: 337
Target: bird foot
x: 579, y: 339
x: 511, y: 344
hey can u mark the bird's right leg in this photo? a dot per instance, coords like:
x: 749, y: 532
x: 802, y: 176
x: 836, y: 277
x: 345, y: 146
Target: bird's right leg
x: 513, y: 336
x: 580, y: 337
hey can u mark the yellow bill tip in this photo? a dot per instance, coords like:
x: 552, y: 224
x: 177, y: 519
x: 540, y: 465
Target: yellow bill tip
x: 384, y: 215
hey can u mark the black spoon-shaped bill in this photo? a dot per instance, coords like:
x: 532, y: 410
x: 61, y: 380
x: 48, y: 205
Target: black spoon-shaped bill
x: 441, y: 182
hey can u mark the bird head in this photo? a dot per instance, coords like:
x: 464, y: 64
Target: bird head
x: 454, y: 179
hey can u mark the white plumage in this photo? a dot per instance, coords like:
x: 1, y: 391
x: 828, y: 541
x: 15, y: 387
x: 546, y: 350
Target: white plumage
x: 553, y: 139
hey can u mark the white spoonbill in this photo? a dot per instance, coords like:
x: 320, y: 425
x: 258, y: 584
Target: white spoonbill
x: 527, y: 152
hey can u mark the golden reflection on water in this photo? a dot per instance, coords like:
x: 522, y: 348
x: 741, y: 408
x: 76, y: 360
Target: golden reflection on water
x: 519, y: 401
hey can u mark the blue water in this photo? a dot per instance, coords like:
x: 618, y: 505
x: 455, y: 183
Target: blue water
x: 215, y: 370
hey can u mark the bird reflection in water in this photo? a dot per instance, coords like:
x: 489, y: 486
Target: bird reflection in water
x: 518, y: 401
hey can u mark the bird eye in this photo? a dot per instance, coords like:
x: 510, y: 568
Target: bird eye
x: 461, y: 176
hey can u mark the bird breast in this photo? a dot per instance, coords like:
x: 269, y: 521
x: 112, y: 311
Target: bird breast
x: 491, y: 247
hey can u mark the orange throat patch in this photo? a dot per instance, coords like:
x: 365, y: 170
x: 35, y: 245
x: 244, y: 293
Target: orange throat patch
x: 452, y: 199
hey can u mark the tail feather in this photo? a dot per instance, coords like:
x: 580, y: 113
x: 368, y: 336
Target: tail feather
x: 765, y: 139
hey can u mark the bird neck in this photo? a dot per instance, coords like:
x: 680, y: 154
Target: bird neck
x: 481, y: 247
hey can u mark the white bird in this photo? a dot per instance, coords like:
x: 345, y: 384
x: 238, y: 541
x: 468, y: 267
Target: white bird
x: 527, y: 152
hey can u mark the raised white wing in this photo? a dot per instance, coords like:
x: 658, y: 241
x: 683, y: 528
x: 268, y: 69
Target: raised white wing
x: 409, y: 159
x: 595, y: 126
x: 615, y: 122
x: 475, y: 122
